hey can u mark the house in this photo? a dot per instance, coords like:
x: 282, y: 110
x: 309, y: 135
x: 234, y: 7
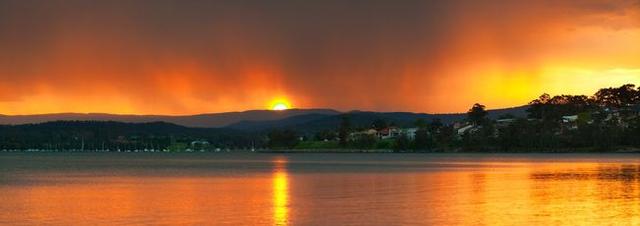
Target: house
x: 369, y: 132
x: 501, y: 123
x: 199, y: 144
x: 389, y: 132
x: 458, y: 125
x: 465, y: 129
x: 569, y: 118
x: 570, y: 122
x: 410, y: 133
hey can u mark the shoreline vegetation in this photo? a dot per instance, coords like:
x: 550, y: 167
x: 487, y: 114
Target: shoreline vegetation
x: 458, y: 151
x: 607, y: 121
x: 339, y: 150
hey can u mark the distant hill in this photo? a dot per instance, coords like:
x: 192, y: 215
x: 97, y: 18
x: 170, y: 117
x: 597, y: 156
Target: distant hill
x: 317, y: 122
x: 202, y: 120
x: 106, y: 128
x: 257, y: 120
x: 93, y: 135
x: 235, y: 129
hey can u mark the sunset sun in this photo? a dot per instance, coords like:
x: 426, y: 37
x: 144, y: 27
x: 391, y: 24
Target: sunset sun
x: 279, y: 105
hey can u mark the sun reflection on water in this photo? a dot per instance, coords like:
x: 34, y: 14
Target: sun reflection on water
x: 280, y: 193
x: 536, y: 191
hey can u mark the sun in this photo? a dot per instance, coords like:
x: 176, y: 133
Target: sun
x: 280, y: 105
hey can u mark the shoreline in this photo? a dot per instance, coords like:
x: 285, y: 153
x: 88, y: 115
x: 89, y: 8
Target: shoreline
x: 629, y: 150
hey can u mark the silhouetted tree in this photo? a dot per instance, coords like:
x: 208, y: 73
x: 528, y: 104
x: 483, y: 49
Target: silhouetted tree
x: 423, y: 139
x: 623, y: 96
x: 420, y: 123
x: 477, y: 114
x: 401, y: 143
x: 364, y: 141
x: 343, y: 131
x: 283, y: 139
x: 435, y: 125
x: 445, y: 136
x: 539, y: 107
x: 380, y: 124
x: 325, y: 135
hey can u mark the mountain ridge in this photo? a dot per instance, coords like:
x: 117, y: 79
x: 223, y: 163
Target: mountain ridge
x: 252, y: 119
x: 311, y: 123
x: 208, y: 120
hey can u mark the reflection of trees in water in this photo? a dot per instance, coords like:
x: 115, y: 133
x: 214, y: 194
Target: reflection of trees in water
x: 627, y: 172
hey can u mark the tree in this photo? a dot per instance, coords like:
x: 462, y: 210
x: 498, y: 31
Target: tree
x: 507, y: 116
x: 423, y: 139
x: 401, y: 143
x: 477, y: 114
x: 538, y: 107
x: 364, y: 141
x: 343, y: 133
x: 445, y: 135
x: 283, y: 139
x: 379, y: 124
x: 551, y: 109
x: 435, y: 125
x: 325, y: 135
x: 623, y: 96
x: 420, y: 123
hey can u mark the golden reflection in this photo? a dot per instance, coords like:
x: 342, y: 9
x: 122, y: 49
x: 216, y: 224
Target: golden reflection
x: 530, y: 193
x: 588, y: 193
x: 280, y: 193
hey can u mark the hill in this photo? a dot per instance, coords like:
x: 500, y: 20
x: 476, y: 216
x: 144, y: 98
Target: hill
x: 201, y: 120
x: 114, y: 135
x: 318, y: 122
x: 305, y: 120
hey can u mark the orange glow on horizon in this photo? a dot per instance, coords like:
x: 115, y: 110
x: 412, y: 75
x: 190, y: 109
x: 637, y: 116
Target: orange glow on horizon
x: 279, y: 104
x: 500, y: 55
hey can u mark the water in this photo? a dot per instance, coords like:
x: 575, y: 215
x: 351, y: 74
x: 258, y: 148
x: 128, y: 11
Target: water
x: 318, y: 189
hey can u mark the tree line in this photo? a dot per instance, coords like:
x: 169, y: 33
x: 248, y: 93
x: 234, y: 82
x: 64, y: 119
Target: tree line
x: 608, y: 120
x: 605, y: 121
x: 113, y: 136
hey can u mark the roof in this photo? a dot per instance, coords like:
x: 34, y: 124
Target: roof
x: 570, y: 118
x: 465, y: 129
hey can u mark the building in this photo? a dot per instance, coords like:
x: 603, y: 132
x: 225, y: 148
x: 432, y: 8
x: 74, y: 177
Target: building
x: 410, y: 133
x: 501, y: 123
x: 465, y: 129
x: 199, y: 144
x: 570, y: 122
x: 387, y: 133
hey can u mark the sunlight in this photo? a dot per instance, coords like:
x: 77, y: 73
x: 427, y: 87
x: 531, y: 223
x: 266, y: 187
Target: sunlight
x: 280, y: 193
x: 280, y: 107
x: 280, y: 104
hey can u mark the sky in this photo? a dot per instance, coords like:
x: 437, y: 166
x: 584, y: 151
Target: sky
x: 189, y: 57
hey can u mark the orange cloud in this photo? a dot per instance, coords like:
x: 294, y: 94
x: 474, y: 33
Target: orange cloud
x: 163, y: 57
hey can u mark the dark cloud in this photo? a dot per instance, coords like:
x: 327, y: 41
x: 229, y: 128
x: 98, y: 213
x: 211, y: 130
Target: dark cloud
x: 232, y: 55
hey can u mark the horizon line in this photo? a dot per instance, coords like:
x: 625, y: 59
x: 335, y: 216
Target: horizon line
x: 243, y: 111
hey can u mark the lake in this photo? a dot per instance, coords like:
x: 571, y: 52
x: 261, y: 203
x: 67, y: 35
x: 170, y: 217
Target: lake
x: 318, y: 189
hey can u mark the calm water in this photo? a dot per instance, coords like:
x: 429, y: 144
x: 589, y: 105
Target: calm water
x: 319, y: 189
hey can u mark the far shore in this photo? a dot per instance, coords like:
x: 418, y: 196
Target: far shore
x: 349, y: 150
x: 452, y: 151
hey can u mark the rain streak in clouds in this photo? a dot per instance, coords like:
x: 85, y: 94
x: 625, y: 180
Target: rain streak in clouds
x: 189, y: 57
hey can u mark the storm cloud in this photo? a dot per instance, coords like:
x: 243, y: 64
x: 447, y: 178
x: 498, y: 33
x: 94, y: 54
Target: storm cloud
x: 188, y: 57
